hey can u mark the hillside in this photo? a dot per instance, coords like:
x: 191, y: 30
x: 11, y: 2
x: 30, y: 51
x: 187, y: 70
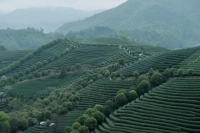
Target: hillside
x: 173, y: 19
x: 25, y: 38
x: 47, y: 18
x: 63, y: 67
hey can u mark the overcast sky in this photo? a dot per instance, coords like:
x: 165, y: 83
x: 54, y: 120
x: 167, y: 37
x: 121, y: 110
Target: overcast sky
x: 10, y: 5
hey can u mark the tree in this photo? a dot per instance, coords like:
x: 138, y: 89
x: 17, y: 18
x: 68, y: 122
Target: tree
x: 131, y: 95
x: 90, y: 111
x: 166, y: 74
x: 27, y: 70
x: 99, y: 116
x: 107, y: 110
x: 113, y: 74
x: 143, y: 77
x: 91, y: 81
x: 190, y: 72
x: 24, y: 124
x: 38, y: 64
x: 143, y: 87
x: 69, y: 105
x: 99, y: 107
x: 100, y: 76
x: 2, y: 48
x: 82, y: 119
x: 121, y: 61
x: 4, y: 122
x: 156, y: 79
x: 91, y: 123
x: 62, y: 73
x: 107, y: 73
x: 120, y: 99
x: 136, y: 74
x: 172, y: 71
x: 83, y: 129
x: 76, y: 125
x: 78, y: 66
x: 151, y: 72
x: 47, y: 114
x: 68, y: 129
x: 180, y: 72
x: 46, y: 101
x: 121, y: 91
x: 122, y: 77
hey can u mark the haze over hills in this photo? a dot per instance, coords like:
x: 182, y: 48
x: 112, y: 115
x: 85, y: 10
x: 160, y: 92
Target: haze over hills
x: 178, y: 19
x: 47, y: 18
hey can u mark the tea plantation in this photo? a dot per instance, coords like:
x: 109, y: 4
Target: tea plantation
x: 171, y: 108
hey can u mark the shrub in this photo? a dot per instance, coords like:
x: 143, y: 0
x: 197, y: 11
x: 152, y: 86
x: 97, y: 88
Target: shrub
x: 143, y: 87
x: 76, y: 125
x: 143, y: 77
x: 67, y: 129
x: 151, y: 72
x: 47, y: 114
x: 136, y: 74
x: 156, y: 79
x: 99, y: 116
x: 113, y: 74
x: 120, y: 99
x: 99, y: 107
x: 131, y: 95
x: 91, y: 123
x: 180, y: 72
x: 83, y: 129
x: 82, y: 119
x: 121, y: 61
x: 100, y: 76
x: 190, y: 72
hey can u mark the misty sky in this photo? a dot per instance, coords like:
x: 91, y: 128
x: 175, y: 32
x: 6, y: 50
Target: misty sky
x: 10, y: 5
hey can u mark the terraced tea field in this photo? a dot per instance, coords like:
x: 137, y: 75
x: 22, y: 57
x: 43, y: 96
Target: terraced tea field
x: 8, y: 57
x: 170, y: 108
x: 102, y: 91
x: 29, y: 89
x: 159, y: 62
x: 40, y: 57
x: 192, y: 62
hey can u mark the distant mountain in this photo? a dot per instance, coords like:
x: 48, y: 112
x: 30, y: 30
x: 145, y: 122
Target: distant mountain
x: 47, y: 18
x: 177, y: 18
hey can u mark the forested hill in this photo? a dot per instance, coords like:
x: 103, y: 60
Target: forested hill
x: 178, y: 19
x: 25, y: 38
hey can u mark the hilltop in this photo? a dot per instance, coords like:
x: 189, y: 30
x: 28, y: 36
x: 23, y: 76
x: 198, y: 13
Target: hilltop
x: 47, y: 18
x: 176, y: 20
